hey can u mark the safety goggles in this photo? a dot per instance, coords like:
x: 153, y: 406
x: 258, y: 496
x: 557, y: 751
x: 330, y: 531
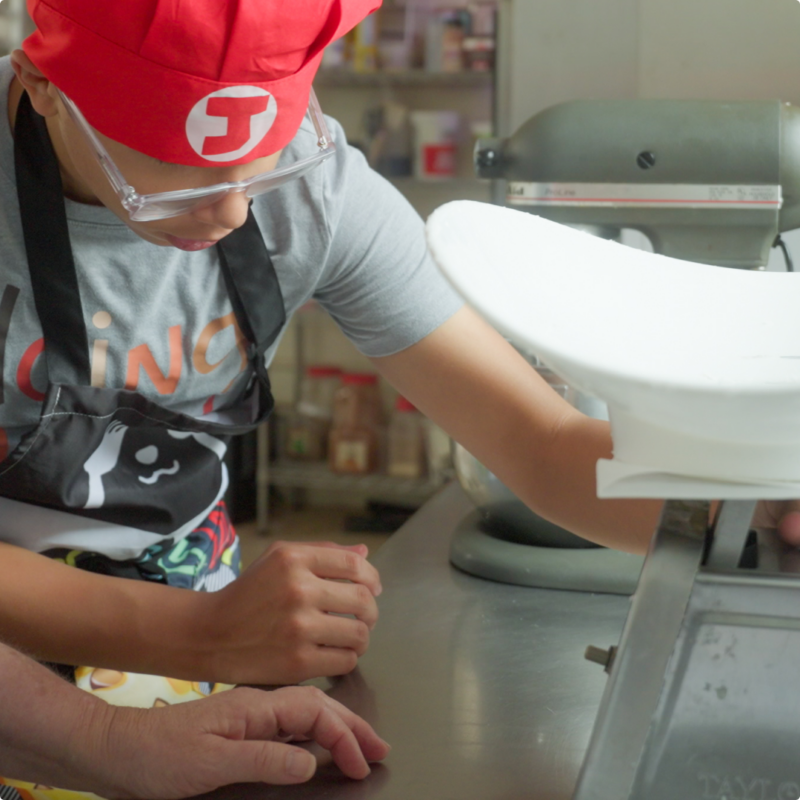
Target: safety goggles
x: 162, y: 205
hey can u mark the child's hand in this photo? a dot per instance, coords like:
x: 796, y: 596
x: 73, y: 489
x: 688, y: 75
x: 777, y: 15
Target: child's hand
x: 233, y: 737
x: 281, y: 622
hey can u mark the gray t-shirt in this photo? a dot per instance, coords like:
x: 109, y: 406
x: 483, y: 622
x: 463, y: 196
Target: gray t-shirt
x: 159, y: 319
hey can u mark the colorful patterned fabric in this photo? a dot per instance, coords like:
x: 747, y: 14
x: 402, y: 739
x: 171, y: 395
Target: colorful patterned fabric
x: 36, y: 791
x: 208, y: 559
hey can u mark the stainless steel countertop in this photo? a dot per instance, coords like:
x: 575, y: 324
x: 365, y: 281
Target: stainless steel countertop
x: 480, y: 687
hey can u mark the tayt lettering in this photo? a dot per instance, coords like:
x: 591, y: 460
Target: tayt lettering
x: 736, y: 787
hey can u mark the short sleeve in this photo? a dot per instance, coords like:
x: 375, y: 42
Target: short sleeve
x: 378, y: 282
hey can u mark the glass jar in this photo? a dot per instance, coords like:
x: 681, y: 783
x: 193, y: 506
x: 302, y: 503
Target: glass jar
x: 354, y: 441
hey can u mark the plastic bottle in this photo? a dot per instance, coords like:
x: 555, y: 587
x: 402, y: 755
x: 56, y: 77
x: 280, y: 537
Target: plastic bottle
x: 406, y: 441
x: 365, y: 51
x: 452, y: 45
x: 309, y: 425
x: 354, y: 441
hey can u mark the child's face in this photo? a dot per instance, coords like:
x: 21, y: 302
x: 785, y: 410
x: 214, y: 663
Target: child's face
x: 85, y: 181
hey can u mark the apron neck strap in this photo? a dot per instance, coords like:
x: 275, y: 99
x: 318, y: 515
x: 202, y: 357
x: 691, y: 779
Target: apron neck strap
x: 46, y: 234
x: 253, y: 287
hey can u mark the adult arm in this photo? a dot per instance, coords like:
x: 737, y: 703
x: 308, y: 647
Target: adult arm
x: 278, y: 623
x: 55, y: 734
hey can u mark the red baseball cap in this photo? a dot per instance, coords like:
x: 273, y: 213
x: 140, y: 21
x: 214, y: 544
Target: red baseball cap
x: 198, y: 82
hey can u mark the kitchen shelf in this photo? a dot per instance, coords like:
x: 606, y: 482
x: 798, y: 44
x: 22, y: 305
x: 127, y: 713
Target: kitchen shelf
x: 412, y: 77
x: 311, y: 475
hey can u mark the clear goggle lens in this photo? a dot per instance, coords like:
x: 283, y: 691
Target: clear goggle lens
x: 145, y: 208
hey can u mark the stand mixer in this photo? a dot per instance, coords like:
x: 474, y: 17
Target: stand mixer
x: 698, y: 703
x: 705, y: 181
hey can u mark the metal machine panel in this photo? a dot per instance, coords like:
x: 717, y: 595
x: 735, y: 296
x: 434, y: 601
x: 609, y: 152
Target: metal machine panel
x: 723, y: 727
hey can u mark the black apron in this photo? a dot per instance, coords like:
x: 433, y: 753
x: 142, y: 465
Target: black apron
x: 112, y: 456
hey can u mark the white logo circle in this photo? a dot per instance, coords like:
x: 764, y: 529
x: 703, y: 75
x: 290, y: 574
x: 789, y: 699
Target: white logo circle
x: 228, y: 124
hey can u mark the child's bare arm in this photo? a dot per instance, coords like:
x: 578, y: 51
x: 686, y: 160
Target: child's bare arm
x: 58, y: 613
x: 279, y: 623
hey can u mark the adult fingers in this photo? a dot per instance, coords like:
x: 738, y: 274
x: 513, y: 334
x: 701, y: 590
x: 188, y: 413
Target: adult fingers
x: 306, y: 711
x: 372, y: 746
x: 350, y: 598
x: 350, y: 739
x: 267, y: 762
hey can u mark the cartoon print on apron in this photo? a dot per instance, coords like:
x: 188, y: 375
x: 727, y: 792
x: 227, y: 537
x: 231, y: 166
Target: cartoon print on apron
x: 111, y: 460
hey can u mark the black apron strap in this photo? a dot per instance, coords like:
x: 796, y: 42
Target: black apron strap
x: 253, y: 288
x: 50, y: 263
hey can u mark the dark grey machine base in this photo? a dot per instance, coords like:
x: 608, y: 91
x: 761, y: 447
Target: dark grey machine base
x: 596, y: 569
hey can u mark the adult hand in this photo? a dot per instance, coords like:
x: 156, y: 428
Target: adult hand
x: 233, y: 737
x: 281, y: 621
x: 783, y: 516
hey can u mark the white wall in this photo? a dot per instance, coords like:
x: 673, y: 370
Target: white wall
x: 722, y: 49
x: 560, y: 50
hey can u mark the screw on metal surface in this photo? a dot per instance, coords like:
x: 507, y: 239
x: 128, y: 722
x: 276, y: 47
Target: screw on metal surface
x: 646, y: 159
x: 605, y: 658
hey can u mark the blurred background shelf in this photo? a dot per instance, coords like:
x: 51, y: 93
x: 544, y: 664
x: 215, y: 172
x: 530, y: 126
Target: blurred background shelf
x: 404, y: 78
x: 413, y: 87
x: 309, y: 475
x: 15, y: 25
